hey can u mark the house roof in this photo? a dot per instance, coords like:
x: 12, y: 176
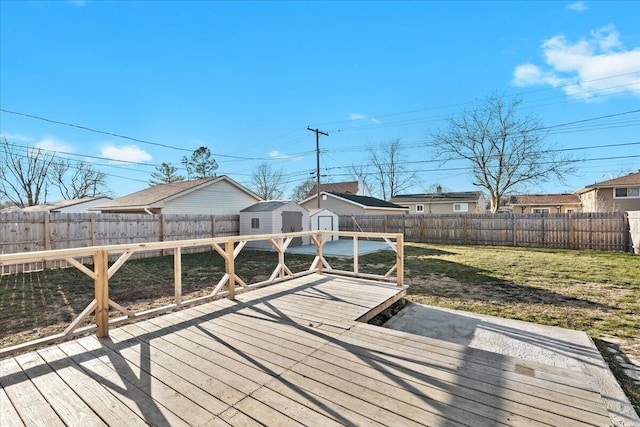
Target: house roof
x: 156, y: 194
x: 269, y: 206
x: 366, y: 201
x: 630, y: 179
x: 53, y: 206
x: 446, y: 197
x: 350, y: 187
x: 544, y: 199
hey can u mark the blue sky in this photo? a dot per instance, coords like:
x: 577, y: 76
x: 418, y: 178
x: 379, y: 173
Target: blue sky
x: 246, y: 79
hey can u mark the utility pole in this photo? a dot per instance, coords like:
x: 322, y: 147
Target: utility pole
x: 318, y: 132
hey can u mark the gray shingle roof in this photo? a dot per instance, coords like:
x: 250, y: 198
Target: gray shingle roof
x: 265, y: 206
x: 453, y: 196
x: 367, y: 201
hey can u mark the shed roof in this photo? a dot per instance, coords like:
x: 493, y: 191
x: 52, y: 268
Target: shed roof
x: 268, y: 206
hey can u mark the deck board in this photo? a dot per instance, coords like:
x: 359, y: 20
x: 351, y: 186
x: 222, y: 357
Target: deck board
x: 288, y: 354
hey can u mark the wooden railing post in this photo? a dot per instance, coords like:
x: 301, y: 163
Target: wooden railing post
x: 101, y: 269
x: 400, y: 259
x: 231, y: 269
x: 177, y: 274
x: 355, y: 254
x: 319, y: 251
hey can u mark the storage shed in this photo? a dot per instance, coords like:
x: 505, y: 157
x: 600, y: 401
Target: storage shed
x: 272, y: 217
x: 324, y: 219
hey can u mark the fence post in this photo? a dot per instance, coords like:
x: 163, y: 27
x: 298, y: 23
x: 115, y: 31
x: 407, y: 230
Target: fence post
x: 627, y: 233
x: 213, y: 226
x: 465, y: 228
x: 515, y: 230
x: 422, y: 230
x: 101, y: 268
x: 92, y: 229
x: 572, y: 230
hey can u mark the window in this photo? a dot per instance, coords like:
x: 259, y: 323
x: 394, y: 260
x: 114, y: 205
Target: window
x: 541, y: 210
x: 255, y: 222
x: 626, y: 192
x: 461, y: 207
x: 569, y: 210
x: 419, y: 208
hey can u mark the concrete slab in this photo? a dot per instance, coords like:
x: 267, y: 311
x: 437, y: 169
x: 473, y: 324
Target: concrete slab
x: 546, y: 344
x: 341, y: 248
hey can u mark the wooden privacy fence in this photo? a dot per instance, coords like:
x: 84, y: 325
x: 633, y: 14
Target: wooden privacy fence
x: 228, y: 285
x: 605, y: 231
x: 38, y: 231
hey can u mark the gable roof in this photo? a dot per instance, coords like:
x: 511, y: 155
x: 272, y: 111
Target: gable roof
x: 630, y: 179
x: 362, y: 201
x: 265, y: 206
x: 157, y: 194
x: 544, y: 199
x: 349, y: 187
x: 446, y: 197
x: 53, y: 206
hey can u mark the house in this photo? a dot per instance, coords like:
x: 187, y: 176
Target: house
x: 443, y: 202
x: 273, y: 217
x: 614, y: 195
x: 218, y: 195
x: 544, y: 203
x: 68, y: 206
x: 352, y: 204
x: 324, y: 219
x: 358, y: 188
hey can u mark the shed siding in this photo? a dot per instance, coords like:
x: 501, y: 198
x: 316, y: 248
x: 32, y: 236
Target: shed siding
x: 271, y: 223
x: 220, y: 198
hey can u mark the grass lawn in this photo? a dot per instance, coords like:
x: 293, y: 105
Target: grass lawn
x: 595, y: 292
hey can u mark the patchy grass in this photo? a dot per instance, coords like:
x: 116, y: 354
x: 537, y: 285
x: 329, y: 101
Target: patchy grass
x: 595, y: 292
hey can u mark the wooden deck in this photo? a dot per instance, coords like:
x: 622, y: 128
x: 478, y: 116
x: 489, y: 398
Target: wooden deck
x: 288, y: 354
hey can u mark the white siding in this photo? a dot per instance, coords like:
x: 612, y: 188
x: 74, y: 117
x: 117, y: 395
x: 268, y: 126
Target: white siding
x: 328, y: 216
x: 219, y: 198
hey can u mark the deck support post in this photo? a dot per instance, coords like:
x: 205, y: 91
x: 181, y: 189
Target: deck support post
x: 101, y: 269
x: 177, y: 275
x: 355, y: 254
x: 319, y: 245
x: 231, y: 269
x: 400, y: 259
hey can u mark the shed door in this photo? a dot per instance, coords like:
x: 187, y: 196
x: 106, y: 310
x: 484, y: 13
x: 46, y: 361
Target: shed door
x: 292, y: 222
x: 326, y: 223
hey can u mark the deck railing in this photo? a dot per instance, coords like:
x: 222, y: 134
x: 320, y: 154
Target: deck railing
x: 227, y: 287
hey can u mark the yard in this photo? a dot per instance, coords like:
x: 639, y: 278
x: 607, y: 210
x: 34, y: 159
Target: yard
x: 595, y: 292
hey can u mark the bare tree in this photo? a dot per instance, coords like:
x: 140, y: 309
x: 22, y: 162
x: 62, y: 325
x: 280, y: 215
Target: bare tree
x: 165, y: 174
x: 506, y: 150
x: 266, y: 182
x: 200, y: 164
x: 301, y: 191
x: 23, y: 174
x: 78, y: 180
x: 390, y: 172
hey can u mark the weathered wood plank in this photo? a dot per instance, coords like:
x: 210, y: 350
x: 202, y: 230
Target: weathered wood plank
x: 136, y: 398
x: 103, y: 403
x: 33, y: 408
x: 71, y: 409
x: 8, y: 415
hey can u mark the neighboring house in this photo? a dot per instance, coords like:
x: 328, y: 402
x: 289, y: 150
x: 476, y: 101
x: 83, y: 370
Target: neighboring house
x: 443, y: 202
x: 358, y: 188
x: 210, y: 196
x: 544, y: 203
x: 614, y: 195
x: 274, y: 217
x: 352, y: 204
x: 68, y: 206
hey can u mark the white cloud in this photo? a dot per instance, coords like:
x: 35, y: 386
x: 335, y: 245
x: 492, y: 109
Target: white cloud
x: 16, y: 137
x: 130, y: 153
x: 589, y: 67
x: 53, y: 144
x: 358, y: 116
x: 275, y: 154
x: 578, y: 6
